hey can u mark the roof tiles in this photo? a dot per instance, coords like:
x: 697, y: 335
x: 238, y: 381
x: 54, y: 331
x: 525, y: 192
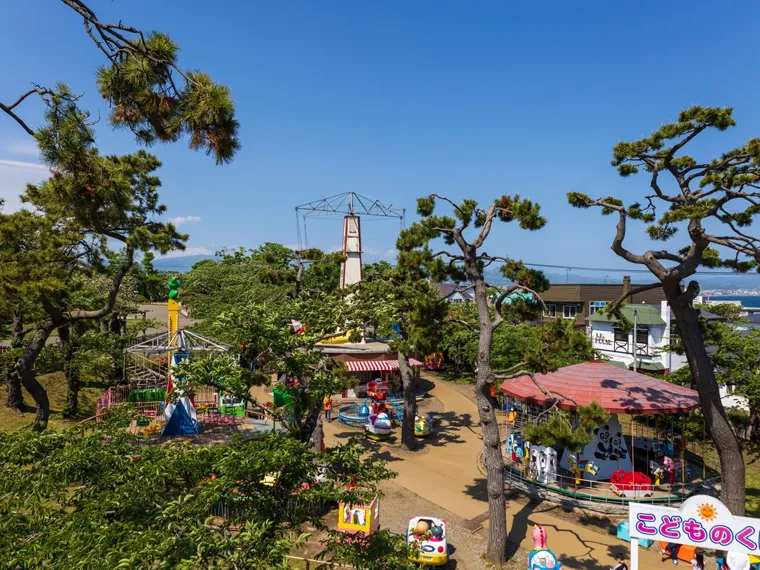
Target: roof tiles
x: 617, y: 390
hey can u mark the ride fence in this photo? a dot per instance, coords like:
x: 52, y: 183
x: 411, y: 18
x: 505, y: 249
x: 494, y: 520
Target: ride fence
x: 650, y: 443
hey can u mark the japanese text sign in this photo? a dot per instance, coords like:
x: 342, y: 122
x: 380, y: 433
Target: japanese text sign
x: 702, y: 521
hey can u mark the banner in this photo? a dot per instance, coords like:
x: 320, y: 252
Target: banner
x: 702, y: 521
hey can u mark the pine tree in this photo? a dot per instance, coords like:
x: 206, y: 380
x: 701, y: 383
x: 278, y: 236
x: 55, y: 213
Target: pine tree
x: 709, y: 204
x: 91, y: 198
x: 468, y: 264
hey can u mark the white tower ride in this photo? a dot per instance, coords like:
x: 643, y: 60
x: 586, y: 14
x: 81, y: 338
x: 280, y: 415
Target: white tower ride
x: 351, y: 268
x: 351, y: 205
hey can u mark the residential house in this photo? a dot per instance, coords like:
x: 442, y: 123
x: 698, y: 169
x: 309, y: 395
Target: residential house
x: 654, y: 329
x: 644, y: 341
x: 454, y: 293
x: 579, y: 301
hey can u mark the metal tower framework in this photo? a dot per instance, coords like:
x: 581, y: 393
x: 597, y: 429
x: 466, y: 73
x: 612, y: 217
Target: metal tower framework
x: 346, y: 204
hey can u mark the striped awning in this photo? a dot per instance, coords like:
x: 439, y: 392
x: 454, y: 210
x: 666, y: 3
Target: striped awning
x: 376, y: 365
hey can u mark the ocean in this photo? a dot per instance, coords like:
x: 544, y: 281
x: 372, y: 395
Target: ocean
x: 745, y: 300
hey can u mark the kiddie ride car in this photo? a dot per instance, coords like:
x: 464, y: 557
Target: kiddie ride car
x: 427, y: 537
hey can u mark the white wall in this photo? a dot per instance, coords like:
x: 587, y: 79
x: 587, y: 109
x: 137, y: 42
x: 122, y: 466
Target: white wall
x: 603, y: 339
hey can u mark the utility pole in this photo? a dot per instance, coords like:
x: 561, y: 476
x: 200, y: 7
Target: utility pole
x: 635, y: 326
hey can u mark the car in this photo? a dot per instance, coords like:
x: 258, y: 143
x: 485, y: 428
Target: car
x: 628, y: 484
x: 427, y: 536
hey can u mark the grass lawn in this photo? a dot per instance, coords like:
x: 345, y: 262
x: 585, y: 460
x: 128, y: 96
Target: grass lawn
x: 752, y: 461
x: 56, y: 389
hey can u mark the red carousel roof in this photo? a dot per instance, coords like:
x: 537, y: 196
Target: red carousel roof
x: 617, y: 390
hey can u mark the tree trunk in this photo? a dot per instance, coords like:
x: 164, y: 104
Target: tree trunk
x: 12, y: 380
x: 754, y: 425
x: 492, y: 458
x: 408, y: 440
x: 13, y: 386
x: 114, y: 325
x: 68, y: 343
x: 726, y: 442
x: 25, y: 369
x: 318, y: 436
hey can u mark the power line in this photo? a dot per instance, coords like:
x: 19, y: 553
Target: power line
x: 550, y: 266
x: 614, y: 270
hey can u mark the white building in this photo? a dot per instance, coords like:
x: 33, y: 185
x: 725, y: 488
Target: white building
x: 649, y: 335
x: 654, y: 330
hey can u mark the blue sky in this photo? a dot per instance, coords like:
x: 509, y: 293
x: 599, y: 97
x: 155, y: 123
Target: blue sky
x: 399, y: 99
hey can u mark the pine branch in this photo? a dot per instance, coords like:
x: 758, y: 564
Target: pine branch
x: 615, y: 305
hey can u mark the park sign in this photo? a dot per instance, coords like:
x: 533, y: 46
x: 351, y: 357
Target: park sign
x: 702, y: 521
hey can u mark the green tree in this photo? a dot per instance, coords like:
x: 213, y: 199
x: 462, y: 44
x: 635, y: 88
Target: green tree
x: 467, y: 262
x: 727, y: 310
x: 735, y: 356
x: 85, y: 348
x: 538, y: 347
x: 17, y: 312
x: 90, y: 200
x: 73, y: 499
x: 563, y: 431
x: 269, y: 274
x: 709, y: 204
x: 408, y: 311
x: 148, y: 92
x: 86, y: 201
x: 264, y: 336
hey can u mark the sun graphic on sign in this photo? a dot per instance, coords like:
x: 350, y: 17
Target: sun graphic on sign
x: 707, y: 512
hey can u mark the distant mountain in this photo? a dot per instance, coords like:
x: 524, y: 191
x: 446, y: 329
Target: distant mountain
x: 179, y: 264
x: 739, y: 281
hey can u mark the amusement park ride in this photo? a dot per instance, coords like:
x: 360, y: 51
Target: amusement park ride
x: 351, y: 206
x: 175, y: 345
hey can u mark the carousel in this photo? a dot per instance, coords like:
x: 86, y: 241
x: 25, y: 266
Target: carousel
x: 641, y: 453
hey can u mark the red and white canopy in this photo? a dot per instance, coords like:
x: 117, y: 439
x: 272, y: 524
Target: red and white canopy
x: 376, y: 365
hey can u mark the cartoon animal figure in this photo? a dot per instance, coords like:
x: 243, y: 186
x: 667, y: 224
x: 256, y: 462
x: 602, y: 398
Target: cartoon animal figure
x: 610, y: 446
x: 657, y: 470
x: 675, y: 467
x: 548, y: 472
x: 515, y: 446
x: 534, y: 466
x: 578, y: 468
x: 541, y: 558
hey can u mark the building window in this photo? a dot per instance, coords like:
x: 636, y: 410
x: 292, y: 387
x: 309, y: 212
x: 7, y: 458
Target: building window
x: 621, y: 335
x: 551, y: 311
x: 595, y: 306
x: 642, y: 335
x: 568, y: 311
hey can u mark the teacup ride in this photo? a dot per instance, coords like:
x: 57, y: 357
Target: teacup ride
x: 378, y: 427
x: 423, y: 425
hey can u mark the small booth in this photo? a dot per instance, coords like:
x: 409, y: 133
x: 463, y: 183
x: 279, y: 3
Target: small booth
x: 359, y: 518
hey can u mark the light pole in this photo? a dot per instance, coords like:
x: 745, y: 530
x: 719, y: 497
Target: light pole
x: 635, y: 326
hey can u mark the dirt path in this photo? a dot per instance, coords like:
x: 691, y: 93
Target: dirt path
x: 444, y: 469
x: 445, y: 473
